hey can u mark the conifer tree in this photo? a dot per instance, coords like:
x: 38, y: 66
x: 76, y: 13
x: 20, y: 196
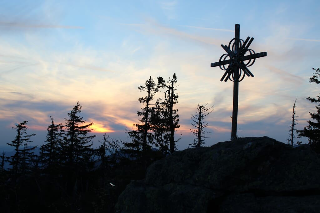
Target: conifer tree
x: 159, y: 125
x: 76, y: 146
x: 171, y: 114
x: 199, y: 125
x: 293, y: 124
x: 23, y: 152
x: 312, y: 131
x: 142, y: 139
x: 50, y: 151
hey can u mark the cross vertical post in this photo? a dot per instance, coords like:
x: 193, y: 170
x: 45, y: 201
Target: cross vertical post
x: 235, y: 87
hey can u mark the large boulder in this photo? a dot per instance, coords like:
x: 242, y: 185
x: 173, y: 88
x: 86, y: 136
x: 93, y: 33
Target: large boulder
x: 256, y: 174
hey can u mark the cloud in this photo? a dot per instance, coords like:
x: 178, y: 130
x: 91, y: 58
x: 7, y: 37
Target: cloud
x: 303, y: 39
x: 168, y: 7
x: 207, y: 28
x: 219, y: 98
x: 285, y: 76
x: 135, y: 50
x: 22, y: 25
x: 100, y: 127
x: 90, y: 67
x: 17, y: 68
x: 28, y: 16
x: 29, y: 109
x: 219, y: 129
x: 16, y: 96
x: 154, y: 27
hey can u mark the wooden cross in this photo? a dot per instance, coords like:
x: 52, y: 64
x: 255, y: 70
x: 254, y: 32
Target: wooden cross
x: 238, y: 58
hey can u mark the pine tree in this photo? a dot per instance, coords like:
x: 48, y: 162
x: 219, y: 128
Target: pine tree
x: 199, y: 125
x: 171, y: 114
x: 293, y: 124
x: 159, y: 126
x: 76, y: 146
x: 142, y: 139
x: 22, y: 157
x: 312, y: 131
x: 50, y: 151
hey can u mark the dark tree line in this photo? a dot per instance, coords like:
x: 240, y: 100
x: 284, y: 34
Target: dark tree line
x: 69, y: 175
x: 312, y: 131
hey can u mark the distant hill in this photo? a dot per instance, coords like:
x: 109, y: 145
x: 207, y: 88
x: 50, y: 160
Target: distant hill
x: 254, y: 174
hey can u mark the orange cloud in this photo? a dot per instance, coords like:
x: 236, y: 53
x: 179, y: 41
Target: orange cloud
x: 37, y: 127
x: 100, y: 128
x: 184, y: 128
x: 219, y: 129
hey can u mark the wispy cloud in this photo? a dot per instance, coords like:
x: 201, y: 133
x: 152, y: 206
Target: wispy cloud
x: 285, y: 76
x: 100, y: 127
x: 154, y: 27
x: 90, y: 67
x: 168, y: 8
x: 304, y: 39
x: 219, y: 129
x: 134, y: 25
x: 17, y: 68
x: 28, y: 25
x: 135, y: 50
x: 207, y: 28
x: 168, y: 5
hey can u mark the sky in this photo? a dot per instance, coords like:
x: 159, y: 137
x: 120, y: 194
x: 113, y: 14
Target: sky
x: 55, y: 53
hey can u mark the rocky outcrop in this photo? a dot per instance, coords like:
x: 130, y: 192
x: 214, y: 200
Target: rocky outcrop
x: 248, y: 175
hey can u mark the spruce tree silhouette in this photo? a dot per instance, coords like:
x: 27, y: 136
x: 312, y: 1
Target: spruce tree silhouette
x: 50, y: 151
x: 20, y: 161
x: 142, y: 139
x: 312, y: 131
x: 159, y: 126
x: 76, y: 148
x: 199, y: 125
x: 293, y: 125
x: 171, y: 115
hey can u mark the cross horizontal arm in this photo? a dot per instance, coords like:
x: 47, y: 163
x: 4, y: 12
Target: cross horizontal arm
x: 243, y: 58
x: 220, y: 63
x: 253, y: 56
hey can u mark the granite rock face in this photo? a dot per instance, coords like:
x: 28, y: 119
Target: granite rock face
x: 248, y: 175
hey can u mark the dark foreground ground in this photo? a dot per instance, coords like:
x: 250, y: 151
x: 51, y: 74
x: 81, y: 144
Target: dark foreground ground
x: 249, y: 175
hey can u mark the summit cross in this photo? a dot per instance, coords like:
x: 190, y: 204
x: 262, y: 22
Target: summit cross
x: 238, y: 57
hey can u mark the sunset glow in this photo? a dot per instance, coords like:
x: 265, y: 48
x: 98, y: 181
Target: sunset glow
x: 100, y: 128
x: 100, y: 53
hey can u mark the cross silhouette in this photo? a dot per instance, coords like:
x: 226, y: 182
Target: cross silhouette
x: 238, y: 58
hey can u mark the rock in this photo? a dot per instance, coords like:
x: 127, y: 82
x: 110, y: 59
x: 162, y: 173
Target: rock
x: 249, y: 175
